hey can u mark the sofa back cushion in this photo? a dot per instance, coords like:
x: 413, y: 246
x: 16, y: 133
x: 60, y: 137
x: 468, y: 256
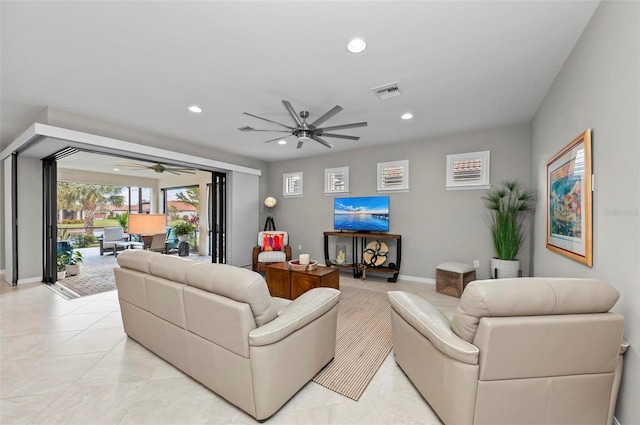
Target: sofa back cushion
x: 169, y: 267
x: 166, y: 300
x: 136, y: 259
x: 529, y: 297
x: 238, y: 284
x: 113, y: 233
x: 131, y: 287
x: 219, y: 319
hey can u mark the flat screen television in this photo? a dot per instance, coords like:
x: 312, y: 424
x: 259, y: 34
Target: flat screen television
x: 362, y: 214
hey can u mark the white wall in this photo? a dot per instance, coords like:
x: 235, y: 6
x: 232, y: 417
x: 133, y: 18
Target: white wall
x: 436, y: 225
x: 242, y: 220
x: 599, y: 88
x: 30, y: 220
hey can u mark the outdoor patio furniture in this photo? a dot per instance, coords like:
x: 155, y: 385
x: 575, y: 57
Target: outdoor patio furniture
x: 111, y: 236
x: 158, y: 243
x: 172, y: 240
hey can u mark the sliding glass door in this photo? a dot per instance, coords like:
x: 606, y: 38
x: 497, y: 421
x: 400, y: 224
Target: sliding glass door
x: 217, y: 217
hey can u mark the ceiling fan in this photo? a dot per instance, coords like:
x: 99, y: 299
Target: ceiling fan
x: 158, y: 168
x: 305, y: 132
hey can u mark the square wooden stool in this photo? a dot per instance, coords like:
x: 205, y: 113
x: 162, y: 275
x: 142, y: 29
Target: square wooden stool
x: 452, y: 278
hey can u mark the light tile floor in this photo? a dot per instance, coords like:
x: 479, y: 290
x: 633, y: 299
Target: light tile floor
x: 70, y: 362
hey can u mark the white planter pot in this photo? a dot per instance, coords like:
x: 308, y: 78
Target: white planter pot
x: 183, y: 238
x: 506, y: 268
x: 73, y: 269
x: 61, y: 275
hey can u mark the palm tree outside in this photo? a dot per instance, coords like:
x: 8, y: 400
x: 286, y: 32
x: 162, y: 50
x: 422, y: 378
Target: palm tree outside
x: 88, y: 198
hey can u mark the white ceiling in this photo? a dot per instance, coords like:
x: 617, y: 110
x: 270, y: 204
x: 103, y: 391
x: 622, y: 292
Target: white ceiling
x: 461, y: 66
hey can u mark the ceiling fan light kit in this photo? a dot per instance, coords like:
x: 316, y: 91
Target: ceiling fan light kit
x: 304, y: 131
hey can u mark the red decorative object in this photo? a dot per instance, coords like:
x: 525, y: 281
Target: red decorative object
x: 273, y: 242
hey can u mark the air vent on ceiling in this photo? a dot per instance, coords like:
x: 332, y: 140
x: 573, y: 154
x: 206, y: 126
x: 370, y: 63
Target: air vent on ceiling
x: 246, y: 128
x: 387, y: 91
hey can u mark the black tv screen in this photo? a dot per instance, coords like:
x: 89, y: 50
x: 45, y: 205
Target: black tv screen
x: 361, y: 214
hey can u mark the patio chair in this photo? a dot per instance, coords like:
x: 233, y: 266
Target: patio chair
x: 111, y: 236
x: 158, y: 243
x: 172, y: 240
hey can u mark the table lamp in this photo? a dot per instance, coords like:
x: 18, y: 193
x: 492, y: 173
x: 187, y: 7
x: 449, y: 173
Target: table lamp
x: 147, y: 225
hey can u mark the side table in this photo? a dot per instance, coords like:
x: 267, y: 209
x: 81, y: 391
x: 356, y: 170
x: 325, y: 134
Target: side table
x: 285, y: 283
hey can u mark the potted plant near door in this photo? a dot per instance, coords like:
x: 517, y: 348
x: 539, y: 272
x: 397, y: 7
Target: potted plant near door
x: 74, y: 258
x: 183, y: 230
x: 509, y: 206
x: 61, y: 265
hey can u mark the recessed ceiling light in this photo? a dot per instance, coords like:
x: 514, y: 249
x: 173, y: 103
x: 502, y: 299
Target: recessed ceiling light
x: 407, y: 116
x: 116, y: 169
x: 195, y: 109
x: 282, y: 142
x: 356, y: 45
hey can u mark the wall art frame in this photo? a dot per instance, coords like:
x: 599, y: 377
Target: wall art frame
x: 569, y: 210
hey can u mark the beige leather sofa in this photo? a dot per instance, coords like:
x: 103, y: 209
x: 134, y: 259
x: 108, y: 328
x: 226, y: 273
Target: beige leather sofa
x: 218, y: 324
x: 516, y: 351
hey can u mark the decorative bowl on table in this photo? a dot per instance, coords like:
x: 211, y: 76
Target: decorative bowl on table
x: 296, y: 266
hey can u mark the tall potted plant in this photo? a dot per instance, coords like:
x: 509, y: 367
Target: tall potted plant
x: 509, y: 206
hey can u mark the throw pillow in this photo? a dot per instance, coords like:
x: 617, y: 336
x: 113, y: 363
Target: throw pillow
x: 273, y: 242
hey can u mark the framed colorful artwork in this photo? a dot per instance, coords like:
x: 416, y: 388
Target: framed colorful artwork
x: 569, y: 200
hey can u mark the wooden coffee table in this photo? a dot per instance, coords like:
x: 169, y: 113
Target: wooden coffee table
x: 285, y: 283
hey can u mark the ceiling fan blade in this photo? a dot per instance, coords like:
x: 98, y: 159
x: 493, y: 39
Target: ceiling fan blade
x: 277, y: 138
x: 273, y: 131
x: 171, y: 171
x: 323, y: 142
x: 300, y: 143
x: 339, y: 136
x: 344, y: 126
x: 130, y: 164
x: 264, y: 119
x: 180, y: 170
x: 330, y: 113
x: 292, y: 112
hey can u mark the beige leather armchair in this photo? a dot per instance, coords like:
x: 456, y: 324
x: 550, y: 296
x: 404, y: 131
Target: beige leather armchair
x: 516, y: 351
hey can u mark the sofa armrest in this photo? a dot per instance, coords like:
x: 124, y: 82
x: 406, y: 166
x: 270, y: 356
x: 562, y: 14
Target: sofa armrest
x: 433, y: 325
x: 295, y: 315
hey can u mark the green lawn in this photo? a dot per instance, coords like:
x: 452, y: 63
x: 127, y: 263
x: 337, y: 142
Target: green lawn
x: 96, y: 223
